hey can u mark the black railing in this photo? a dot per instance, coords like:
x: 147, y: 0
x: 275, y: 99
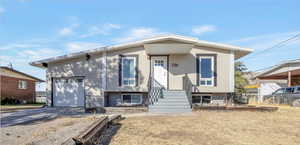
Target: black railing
x: 188, y: 87
x: 154, y: 90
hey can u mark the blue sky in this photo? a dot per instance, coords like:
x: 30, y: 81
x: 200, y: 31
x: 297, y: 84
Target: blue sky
x: 34, y: 29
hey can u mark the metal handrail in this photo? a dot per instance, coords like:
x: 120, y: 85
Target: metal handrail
x: 154, y: 92
x: 188, y: 87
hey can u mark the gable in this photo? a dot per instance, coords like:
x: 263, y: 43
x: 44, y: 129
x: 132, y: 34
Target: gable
x: 4, y: 71
x: 8, y: 73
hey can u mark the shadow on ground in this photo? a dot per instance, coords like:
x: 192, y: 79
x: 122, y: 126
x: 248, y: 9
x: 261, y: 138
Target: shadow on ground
x: 108, y: 134
x: 35, y: 116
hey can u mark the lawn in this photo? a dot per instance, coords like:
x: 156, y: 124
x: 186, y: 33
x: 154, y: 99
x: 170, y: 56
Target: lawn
x: 212, y: 128
x: 8, y: 108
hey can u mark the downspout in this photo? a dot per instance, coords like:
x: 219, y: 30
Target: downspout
x: 104, y: 74
x: 105, y: 69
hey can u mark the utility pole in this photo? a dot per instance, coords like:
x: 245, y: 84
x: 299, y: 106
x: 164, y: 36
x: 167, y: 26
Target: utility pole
x: 10, y: 65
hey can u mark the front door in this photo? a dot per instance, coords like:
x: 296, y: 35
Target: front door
x: 159, y: 71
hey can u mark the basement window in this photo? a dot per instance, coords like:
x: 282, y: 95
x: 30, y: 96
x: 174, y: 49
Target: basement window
x: 205, y: 99
x: 22, y: 84
x: 132, y: 99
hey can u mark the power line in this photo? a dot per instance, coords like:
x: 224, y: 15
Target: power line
x: 280, y: 44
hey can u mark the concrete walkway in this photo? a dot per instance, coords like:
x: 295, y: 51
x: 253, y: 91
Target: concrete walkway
x: 31, y: 116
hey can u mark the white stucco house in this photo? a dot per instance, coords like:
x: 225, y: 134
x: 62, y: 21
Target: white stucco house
x: 163, y: 73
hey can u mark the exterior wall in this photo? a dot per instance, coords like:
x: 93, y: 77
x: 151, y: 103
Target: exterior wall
x: 9, y: 89
x: 113, y: 70
x: 187, y: 64
x: 115, y: 98
x: 91, y: 70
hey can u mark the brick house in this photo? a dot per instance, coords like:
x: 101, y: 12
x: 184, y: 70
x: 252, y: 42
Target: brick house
x: 17, y: 85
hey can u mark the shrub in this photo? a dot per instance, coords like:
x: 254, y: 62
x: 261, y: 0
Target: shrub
x: 10, y: 101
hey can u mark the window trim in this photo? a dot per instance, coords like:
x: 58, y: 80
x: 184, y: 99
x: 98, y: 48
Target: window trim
x: 214, y: 67
x: 140, y: 95
x: 22, y: 84
x: 121, y: 78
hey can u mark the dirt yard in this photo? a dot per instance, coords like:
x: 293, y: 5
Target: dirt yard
x: 212, y: 128
x: 50, y: 132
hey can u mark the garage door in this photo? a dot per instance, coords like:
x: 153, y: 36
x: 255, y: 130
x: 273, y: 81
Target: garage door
x: 68, y: 92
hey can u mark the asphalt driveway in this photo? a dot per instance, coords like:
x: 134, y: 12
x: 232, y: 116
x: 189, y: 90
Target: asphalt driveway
x: 35, y: 115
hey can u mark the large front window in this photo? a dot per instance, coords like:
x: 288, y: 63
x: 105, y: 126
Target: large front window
x: 128, y: 71
x: 206, y: 70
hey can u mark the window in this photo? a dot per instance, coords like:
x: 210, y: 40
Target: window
x: 131, y: 98
x: 129, y: 71
x: 159, y: 63
x: 196, y: 99
x: 201, y: 99
x: 206, y: 99
x: 279, y: 91
x: 206, y: 70
x: 289, y: 90
x: 22, y: 85
x: 298, y: 89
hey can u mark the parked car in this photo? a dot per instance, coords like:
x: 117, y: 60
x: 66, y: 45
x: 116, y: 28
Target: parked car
x: 288, y: 95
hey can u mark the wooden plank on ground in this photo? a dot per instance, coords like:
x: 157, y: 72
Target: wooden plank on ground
x: 86, y: 136
x: 93, y: 132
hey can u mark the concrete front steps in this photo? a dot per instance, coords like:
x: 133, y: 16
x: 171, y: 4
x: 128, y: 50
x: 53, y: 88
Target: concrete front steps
x: 172, y: 102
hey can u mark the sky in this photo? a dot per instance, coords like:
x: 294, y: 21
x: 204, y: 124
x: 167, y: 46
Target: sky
x: 31, y: 30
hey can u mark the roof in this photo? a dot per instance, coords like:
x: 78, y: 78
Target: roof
x: 21, y: 73
x: 239, y: 51
x: 275, y: 67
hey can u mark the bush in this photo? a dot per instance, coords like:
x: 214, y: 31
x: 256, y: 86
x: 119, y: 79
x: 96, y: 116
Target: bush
x: 10, y: 101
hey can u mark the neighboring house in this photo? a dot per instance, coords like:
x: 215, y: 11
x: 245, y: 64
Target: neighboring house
x: 258, y: 88
x: 282, y: 75
x: 17, y: 85
x: 155, y: 71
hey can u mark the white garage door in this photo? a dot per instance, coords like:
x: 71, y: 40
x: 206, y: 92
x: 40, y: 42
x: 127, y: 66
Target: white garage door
x: 68, y: 92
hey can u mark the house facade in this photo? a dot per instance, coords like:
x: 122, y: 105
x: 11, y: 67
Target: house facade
x: 134, y: 73
x: 17, y: 85
x: 285, y: 74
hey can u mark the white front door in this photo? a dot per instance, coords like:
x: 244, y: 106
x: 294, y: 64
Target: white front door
x: 159, y: 71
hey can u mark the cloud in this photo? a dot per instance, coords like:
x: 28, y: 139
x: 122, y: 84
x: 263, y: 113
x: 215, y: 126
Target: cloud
x: 40, y: 53
x: 103, y: 30
x: 17, y: 46
x: 80, y: 46
x: 2, y: 10
x: 200, y: 30
x: 66, y: 31
x: 137, y: 33
x: 24, y: 1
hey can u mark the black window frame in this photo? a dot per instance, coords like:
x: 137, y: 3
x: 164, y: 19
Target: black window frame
x: 121, y: 57
x: 214, y: 71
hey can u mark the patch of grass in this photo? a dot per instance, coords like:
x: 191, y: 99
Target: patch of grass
x: 20, y: 106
